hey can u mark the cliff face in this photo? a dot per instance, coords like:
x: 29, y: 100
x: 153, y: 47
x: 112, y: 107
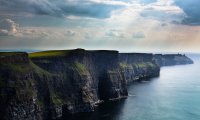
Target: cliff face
x: 49, y: 85
x: 18, y: 93
x: 136, y: 66
x: 172, y: 59
x: 52, y: 84
x: 79, y: 79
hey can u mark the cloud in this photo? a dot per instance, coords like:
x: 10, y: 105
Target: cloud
x: 138, y: 35
x: 70, y: 33
x: 115, y: 33
x: 33, y: 33
x: 88, y: 35
x: 147, y: 1
x: 164, y: 24
x: 129, y: 24
x: 191, y: 9
x: 29, y: 6
x: 3, y: 32
x: 62, y: 8
x: 8, y: 27
x: 163, y: 10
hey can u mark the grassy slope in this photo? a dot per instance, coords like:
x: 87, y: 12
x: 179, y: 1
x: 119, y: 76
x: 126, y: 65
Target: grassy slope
x: 137, y: 65
x: 51, y: 53
x: 146, y: 64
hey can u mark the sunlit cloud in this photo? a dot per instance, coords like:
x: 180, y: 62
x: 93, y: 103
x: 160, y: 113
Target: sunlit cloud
x: 8, y: 27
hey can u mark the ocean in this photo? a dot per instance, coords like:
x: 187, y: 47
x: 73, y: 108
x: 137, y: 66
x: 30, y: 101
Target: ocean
x: 174, y: 95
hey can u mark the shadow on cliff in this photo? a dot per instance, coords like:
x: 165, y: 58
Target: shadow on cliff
x: 106, y: 111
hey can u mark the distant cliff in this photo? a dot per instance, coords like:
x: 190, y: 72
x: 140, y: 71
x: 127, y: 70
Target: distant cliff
x: 172, y: 59
x: 137, y: 66
x: 52, y: 84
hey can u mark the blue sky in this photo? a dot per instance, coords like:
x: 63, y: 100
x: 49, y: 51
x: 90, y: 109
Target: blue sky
x: 124, y: 25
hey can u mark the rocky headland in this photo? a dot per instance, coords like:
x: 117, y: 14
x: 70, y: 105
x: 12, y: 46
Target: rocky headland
x: 52, y: 84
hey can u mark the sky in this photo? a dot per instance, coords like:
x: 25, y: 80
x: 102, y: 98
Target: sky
x: 124, y: 25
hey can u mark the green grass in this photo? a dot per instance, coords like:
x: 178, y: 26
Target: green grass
x: 51, y: 53
x: 150, y: 64
x: 81, y: 68
x: 141, y: 65
x: 125, y: 66
x: 56, y: 99
x: 145, y: 64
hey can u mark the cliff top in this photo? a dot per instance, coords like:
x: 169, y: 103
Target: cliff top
x: 170, y: 54
x: 61, y: 53
x: 135, y: 53
x: 6, y: 54
x: 50, y: 53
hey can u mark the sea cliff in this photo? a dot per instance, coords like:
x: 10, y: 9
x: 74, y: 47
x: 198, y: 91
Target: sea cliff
x: 171, y: 59
x: 137, y: 66
x: 52, y: 84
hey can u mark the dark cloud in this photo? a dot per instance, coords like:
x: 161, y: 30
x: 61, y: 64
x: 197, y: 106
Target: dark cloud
x: 90, y: 10
x: 162, y: 15
x: 192, y: 11
x: 59, y: 8
x: 30, y: 6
